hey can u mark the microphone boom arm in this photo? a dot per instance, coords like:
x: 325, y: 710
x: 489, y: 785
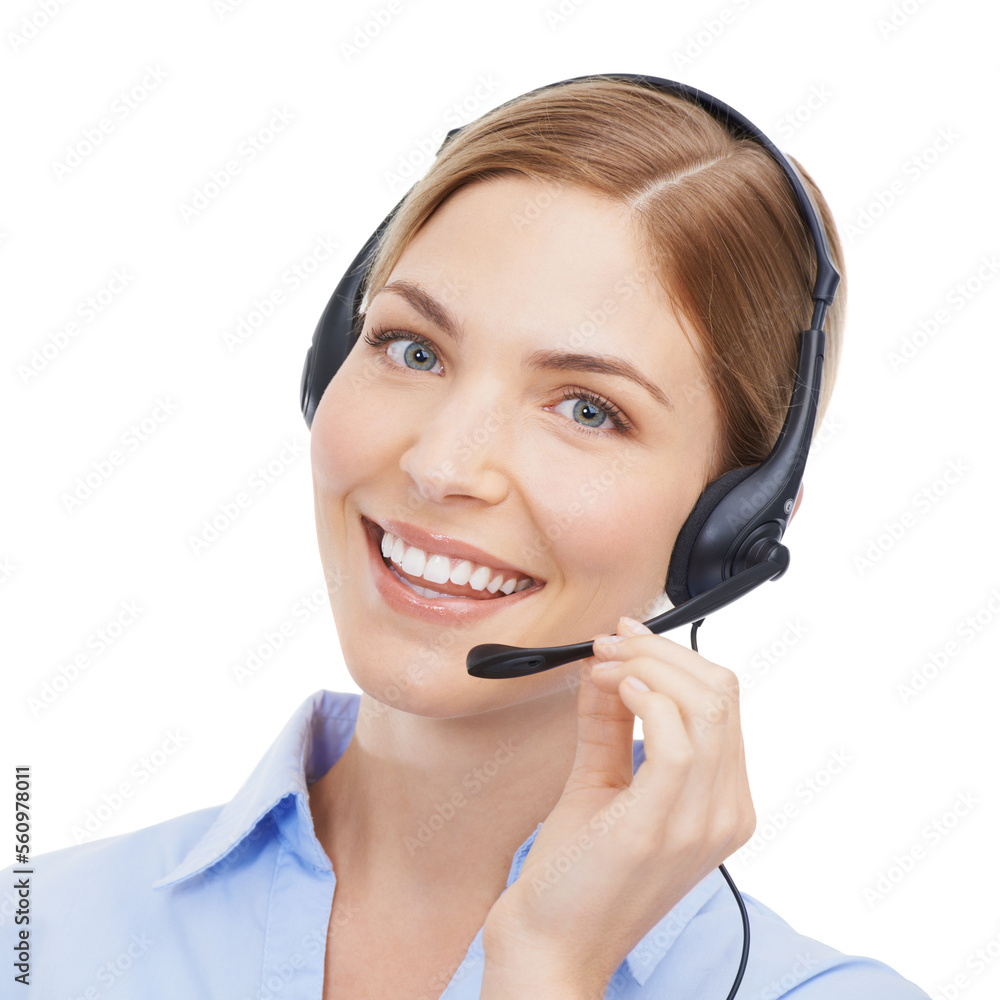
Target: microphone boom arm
x: 493, y: 660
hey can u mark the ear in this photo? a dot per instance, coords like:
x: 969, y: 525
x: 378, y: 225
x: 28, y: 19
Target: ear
x: 798, y: 500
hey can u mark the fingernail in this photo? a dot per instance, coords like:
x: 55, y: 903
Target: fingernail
x: 636, y: 683
x: 606, y: 664
x: 636, y: 627
x: 610, y: 638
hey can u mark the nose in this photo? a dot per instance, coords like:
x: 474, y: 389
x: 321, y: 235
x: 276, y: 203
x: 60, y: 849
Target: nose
x: 456, y: 450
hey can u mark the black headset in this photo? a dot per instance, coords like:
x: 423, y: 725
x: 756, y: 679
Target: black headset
x: 731, y: 541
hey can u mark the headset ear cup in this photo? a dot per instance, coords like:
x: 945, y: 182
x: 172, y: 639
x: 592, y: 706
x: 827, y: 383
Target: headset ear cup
x: 687, y: 537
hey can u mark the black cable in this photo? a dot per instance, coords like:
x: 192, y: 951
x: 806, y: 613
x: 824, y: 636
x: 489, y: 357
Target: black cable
x: 732, y: 885
x: 694, y: 634
x: 746, y: 934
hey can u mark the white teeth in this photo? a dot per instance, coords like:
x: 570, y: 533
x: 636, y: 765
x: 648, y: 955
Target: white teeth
x: 398, y: 551
x: 423, y: 591
x: 437, y: 568
x: 414, y: 562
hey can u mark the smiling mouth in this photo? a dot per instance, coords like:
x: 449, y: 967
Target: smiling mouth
x: 486, y: 591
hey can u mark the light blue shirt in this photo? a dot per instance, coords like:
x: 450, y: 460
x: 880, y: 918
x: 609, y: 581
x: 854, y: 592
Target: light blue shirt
x: 234, y: 903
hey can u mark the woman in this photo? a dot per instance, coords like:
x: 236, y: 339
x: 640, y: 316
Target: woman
x: 449, y: 835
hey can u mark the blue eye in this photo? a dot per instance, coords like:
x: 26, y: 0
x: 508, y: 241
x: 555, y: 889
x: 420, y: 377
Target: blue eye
x: 417, y: 353
x: 420, y: 355
x: 607, y: 411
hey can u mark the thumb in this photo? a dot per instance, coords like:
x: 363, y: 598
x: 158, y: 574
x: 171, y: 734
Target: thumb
x: 605, y: 728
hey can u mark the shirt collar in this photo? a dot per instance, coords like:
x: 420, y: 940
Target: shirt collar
x: 308, y: 746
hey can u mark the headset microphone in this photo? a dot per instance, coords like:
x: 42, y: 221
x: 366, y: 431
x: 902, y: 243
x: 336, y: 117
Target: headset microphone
x: 493, y: 660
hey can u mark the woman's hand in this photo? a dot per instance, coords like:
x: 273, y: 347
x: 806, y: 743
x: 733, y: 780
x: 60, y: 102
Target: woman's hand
x: 618, y: 852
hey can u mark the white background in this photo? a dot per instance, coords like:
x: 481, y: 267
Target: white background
x: 882, y: 94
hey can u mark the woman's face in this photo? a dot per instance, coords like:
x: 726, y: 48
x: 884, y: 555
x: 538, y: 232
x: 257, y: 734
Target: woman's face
x: 474, y: 424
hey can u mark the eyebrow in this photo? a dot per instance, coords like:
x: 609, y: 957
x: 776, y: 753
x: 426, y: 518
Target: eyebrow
x: 603, y: 364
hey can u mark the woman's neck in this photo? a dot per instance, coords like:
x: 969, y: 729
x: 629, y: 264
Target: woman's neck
x: 437, y: 806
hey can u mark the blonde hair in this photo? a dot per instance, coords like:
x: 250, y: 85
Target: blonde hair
x: 714, y: 217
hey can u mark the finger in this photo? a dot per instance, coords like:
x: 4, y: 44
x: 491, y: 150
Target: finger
x: 706, y: 711
x: 729, y: 783
x: 675, y: 795
x: 605, y: 727
x: 669, y: 771
x: 717, y: 773
x: 718, y: 678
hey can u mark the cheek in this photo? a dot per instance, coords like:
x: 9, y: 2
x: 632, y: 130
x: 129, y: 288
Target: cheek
x: 592, y: 517
x: 344, y: 444
x: 613, y: 526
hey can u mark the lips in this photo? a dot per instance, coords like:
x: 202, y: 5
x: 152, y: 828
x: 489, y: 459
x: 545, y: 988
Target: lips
x: 433, y: 542
x: 446, y: 587
x: 467, y: 606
